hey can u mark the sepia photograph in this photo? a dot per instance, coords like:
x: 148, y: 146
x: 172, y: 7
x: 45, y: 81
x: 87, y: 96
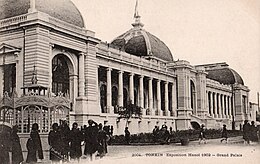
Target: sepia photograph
x: 129, y: 81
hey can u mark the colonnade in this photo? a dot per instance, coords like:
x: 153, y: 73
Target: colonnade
x: 154, y: 96
x: 219, y: 105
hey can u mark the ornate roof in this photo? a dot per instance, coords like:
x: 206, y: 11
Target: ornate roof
x: 225, y: 76
x: 138, y: 41
x: 63, y: 10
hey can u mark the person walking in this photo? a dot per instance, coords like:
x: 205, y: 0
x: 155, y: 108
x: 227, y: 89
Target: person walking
x: 155, y: 133
x: 75, y: 142
x: 17, y: 155
x: 91, y: 141
x: 34, y: 145
x: 127, y: 136
x: 253, y: 132
x: 54, y: 140
x: 224, y: 134
x: 202, y: 134
x: 246, y: 132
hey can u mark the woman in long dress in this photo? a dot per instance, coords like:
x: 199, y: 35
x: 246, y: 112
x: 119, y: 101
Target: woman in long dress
x: 17, y: 155
x: 34, y: 145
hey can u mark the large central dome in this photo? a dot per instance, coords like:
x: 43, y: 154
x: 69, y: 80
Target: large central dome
x: 63, y: 10
x: 139, y: 42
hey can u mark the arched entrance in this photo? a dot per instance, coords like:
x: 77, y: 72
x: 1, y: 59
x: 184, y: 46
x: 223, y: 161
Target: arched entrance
x: 60, y: 74
x: 195, y: 125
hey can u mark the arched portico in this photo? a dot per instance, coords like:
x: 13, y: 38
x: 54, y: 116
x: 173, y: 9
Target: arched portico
x: 64, y: 74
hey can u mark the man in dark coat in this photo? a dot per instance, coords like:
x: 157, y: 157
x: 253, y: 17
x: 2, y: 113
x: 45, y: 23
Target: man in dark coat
x: 253, y: 132
x: 34, y: 145
x: 155, y: 133
x: 127, y: 136
x: 65, y: 139
x: 54, y: 140
x: 202, y: 136
x: 75, y: 142
x: 91, y: 139
x: 246, y: 132
x: 5, y: 147
x: 224, y: 134
x: 102, y: 141
x: 17, y: 155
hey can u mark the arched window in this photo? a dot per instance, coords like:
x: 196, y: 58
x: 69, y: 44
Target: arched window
x: 60, y: 74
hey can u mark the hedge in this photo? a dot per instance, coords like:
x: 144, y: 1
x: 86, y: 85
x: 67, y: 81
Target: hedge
x: 192, y: 135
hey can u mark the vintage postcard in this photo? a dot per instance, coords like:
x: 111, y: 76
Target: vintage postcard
x: 129, y: 81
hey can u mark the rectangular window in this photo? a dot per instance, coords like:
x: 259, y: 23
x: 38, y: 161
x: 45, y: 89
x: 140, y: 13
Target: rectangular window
x: 9, y: 77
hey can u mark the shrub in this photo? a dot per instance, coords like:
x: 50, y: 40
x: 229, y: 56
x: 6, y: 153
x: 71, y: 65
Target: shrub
x: 191, y: 135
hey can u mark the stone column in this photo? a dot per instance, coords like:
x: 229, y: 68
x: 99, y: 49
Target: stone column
x: 166, y: 98
x: 81, y: 75
x: 73, y: 87
x: 141, y: 93
x: 159, y: 97
x: 173, y: 101
x: 120, y: 88
x: 223, y: 106
x: 221, y: 109
x: 109, y: 90
x: 131, y: 87
x: 229, y: 107
x: 216, y: 106
x: 211, y: 104
x: 150, y: 95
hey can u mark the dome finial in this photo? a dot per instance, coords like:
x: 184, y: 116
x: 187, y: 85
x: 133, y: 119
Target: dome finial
x: 137, y: 17
x: 32, y: 6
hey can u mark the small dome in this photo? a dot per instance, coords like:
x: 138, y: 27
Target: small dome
x: 225, y: 76
x: 63, y: 10
x: 139, y: 42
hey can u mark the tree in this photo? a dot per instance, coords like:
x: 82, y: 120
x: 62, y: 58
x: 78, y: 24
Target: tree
x: 130, y: 111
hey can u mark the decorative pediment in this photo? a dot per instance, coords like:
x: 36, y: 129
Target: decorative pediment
x: 6, y: 48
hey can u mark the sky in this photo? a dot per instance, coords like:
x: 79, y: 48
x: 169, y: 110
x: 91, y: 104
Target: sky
x: 199, y: 31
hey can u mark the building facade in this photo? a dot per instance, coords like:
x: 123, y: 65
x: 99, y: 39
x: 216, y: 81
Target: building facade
x: 97, y: 78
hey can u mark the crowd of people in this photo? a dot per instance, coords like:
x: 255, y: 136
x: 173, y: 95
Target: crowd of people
x: 162, y: 135
x: 93, y: 138
x: 250, y: 132
x: 10, y: 142
x: 90, y: 141
x: 65, y: 144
